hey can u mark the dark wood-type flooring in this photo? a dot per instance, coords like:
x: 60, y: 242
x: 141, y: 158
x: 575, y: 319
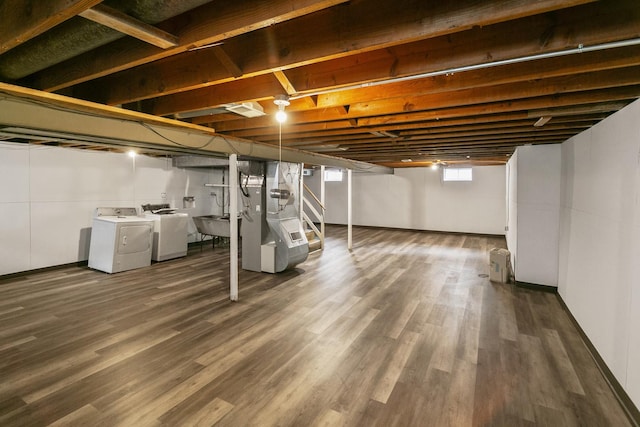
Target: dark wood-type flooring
x: 405, y: 330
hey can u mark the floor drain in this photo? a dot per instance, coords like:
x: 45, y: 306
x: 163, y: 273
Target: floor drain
x: 483, y: 275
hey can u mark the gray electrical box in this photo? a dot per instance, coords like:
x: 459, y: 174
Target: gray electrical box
x: 254, y: 228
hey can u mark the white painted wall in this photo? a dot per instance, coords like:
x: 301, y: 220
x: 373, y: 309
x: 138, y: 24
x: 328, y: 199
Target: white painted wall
x: 599, y: 275
x: 48, y: 196
x: 534, y: 213
x: 511, y: 233
x: 416, y: 198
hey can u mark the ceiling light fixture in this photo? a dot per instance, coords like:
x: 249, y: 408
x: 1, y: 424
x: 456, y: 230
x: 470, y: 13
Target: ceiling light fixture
x: 281, y: 101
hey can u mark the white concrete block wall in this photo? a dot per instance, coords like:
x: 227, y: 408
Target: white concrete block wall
x: 534, y: 213
x: 599, y: 267
x: 15, y: 233
x: 511, y: 233
x: 416, y: 198
x: 48, y: 196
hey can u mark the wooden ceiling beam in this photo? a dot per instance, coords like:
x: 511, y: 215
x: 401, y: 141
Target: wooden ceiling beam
x: 552, y: 67
x: 370, y: 138
x: 440, y: 151
x: 121, y: 22
x: 284, y: 82
x: 447, y: 133
x: 358, y: 27
x: 523, y: 108
x: 208, y: 24
x: 446, y: 139
x: 610, y: 99
x: 510, y: 91
x: 441, y: 155
x: 346, y: 135
x: 430, y: 93
x: 591, y: 24
x: 510, y: 98
x: 419, y: 144
x: 490, y: 160
x: 227, y: 62
x: 304, y: 117
x: 313, y: 130
x: 263, y: 88
x: 526, y: 71
x: 22, y: 20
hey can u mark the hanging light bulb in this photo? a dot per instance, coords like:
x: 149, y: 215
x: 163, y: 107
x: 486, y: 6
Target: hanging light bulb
x: 281, y: 116
x: 281, y: 101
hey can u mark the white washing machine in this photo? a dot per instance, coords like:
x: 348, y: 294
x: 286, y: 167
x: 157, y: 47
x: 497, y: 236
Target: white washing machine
x: 170, y: 233
x: 120, y: 240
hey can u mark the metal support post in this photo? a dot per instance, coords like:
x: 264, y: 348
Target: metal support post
x: 233, y: 226
x: 349, y: 211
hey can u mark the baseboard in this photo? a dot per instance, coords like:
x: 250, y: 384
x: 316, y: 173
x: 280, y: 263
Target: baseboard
x: 629, y: 408
x: 416, y: 230
x: 536, y: 287
x: 44, y: 269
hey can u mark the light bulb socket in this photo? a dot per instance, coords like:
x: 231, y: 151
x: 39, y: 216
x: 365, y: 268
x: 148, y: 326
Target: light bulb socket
x: 281, y: 101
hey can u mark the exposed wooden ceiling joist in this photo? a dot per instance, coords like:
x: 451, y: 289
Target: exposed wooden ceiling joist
x: 227, y: 62
x: 495, y: 121
x: 375, y: 80
x: 359, y: 27
x: 20, y: 21
x: 407, y: 105
x: 126, y: 24
x: 208, y: 24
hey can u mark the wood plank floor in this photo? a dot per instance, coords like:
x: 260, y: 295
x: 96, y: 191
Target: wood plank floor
x: 404, y: 330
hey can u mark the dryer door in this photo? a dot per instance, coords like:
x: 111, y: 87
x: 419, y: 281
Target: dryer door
x: 134, y: 238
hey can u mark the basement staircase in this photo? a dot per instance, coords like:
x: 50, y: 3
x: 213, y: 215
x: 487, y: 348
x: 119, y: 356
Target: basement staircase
x: 314, y: 227
x: 314, y: 240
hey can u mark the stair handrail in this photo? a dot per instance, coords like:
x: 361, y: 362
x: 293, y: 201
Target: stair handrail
x: 306, y: 187
x: 313, y: 209
x: 318, y: 215
x: 312, y: 225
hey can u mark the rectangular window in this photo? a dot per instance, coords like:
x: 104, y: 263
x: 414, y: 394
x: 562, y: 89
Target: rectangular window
x: 457, y: 174
x: 333, y: 175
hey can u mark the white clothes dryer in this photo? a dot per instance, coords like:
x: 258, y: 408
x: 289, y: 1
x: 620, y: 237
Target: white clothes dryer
x: 120, y: 240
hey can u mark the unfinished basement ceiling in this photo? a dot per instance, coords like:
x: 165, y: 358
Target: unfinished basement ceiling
x: 377, y: 81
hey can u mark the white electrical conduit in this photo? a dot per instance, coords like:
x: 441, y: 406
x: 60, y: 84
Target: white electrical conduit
x: 580, y: 49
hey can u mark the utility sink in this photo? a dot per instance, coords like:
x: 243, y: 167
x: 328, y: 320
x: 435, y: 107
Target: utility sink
x: 213, y: 225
